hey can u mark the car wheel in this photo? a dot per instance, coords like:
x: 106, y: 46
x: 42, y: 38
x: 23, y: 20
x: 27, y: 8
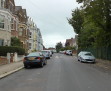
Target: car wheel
x: 45, y: 62
x: 26, y: 66
x: 42, y: 64
x: 80, y: 60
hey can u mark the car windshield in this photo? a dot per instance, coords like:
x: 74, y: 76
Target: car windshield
x: 88, y: 54
x: 34, y: 54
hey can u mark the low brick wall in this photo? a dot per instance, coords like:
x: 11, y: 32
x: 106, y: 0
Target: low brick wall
x: 3, y: 60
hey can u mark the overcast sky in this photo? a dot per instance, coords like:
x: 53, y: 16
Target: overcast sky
x: 51, y: 17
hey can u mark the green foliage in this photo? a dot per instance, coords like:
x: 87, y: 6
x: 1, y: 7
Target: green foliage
x: 77, y: 20
x: 67, y: 48
x: 59, y: 46
x: 16, y: 42
x: 95, y: 28
x: 6, y: 49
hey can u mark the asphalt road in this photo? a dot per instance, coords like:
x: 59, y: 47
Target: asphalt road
x: 62, y: 73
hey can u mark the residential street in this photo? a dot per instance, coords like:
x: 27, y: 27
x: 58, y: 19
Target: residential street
x: 62, y: 73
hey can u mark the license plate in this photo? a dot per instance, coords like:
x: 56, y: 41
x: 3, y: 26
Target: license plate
x: 31, y: 58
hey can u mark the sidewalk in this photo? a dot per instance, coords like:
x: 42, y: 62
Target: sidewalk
x: 10, y: 68
x: 103, y: 64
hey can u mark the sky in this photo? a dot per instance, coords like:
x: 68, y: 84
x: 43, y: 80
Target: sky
x: 50, y: 16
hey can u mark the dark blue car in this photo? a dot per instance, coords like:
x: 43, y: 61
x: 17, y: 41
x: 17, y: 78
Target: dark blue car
x: 34, y: 59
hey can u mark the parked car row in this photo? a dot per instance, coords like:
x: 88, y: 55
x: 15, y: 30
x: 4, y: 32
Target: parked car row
x: 83, y: 56
x: 37, y: 58
x: 67, y: 52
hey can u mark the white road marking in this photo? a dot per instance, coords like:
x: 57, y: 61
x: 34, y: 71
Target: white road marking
x: 38, y: 73
x: 56, y: 57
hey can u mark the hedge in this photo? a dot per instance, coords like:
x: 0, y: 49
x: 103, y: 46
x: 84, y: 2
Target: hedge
x: 9, y: 49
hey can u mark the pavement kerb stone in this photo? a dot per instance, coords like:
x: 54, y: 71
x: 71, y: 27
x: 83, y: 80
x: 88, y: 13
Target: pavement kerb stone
x: 11, y: 72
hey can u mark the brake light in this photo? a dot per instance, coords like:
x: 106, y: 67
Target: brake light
x: 38, y: 58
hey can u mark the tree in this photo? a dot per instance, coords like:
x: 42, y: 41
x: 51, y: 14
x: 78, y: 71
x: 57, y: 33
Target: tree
x: 77, y: 20
x: 92, y: 23
x: 99, y: 13
x: 16, y: 42
x: 59, y: 46
x: 68, y: 48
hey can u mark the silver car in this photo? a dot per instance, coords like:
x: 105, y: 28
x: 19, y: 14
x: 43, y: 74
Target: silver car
x: 85, y: 56
x: 69, y: 52
x: 46, y: 53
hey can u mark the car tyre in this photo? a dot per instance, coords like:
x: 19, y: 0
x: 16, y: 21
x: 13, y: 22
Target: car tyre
x: 26, y: 66
x: 42, y: 64
x: 81, y: 61
x: 45, y: 63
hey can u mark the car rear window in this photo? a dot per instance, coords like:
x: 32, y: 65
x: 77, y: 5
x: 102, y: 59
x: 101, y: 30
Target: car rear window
x: 34, y: 54
x: 44, y: 51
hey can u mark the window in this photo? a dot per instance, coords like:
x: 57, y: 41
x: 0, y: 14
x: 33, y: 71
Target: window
x: 2, y: 22
x: 30, y: 45
x: 20, y: 32
x: 12, y: 26
x: 2, y: 3
x: 12, y: 20
x: 1, y: 42
x: 88, y: 54
x: 30, y: 35
x: 12, y: 23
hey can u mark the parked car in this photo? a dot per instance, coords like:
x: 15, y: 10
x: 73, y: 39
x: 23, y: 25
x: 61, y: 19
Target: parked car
x: 62, y: 52
x: 69, y: 52
x: 46, y: 54
x: 85, y: 56
x: 50, y: 52
x: 34, y: 59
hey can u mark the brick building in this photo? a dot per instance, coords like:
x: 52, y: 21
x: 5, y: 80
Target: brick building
x: 10, y: 5
x: 23, y: 33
